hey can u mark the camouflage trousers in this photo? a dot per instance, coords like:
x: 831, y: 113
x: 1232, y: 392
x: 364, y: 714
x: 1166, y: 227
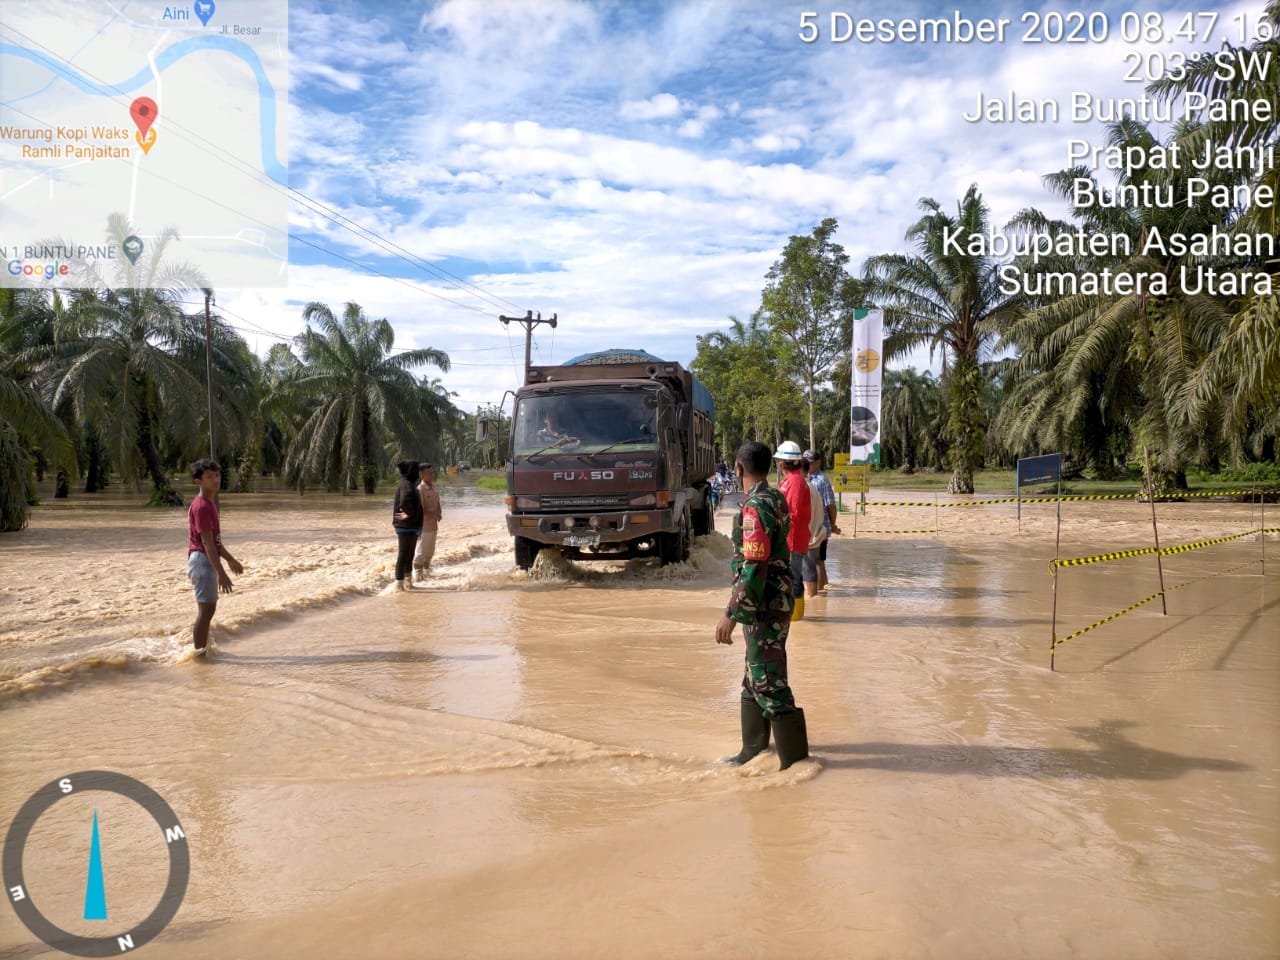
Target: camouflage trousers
x: 765, y: 679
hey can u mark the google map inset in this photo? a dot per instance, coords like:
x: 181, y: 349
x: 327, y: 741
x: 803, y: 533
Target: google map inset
x: 122, y: 124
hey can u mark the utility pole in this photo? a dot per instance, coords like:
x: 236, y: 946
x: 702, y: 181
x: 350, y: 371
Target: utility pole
x: 208, y: 368
x: 529, y: 322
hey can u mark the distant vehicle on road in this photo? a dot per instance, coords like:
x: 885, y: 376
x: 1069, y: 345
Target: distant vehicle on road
x: 464, y: 466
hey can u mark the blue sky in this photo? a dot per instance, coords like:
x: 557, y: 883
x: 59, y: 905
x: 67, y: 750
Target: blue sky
x: 634, y: 167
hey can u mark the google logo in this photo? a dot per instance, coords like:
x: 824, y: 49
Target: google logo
x: 39, y: 270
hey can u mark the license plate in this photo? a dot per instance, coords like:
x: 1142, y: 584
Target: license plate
x: 582, y: 540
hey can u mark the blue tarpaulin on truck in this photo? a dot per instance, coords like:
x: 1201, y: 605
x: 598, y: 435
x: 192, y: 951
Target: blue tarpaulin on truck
x: 701, y: 395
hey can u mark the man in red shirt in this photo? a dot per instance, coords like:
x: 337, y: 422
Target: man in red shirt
x: 205, y: 551
x: 796, y: 491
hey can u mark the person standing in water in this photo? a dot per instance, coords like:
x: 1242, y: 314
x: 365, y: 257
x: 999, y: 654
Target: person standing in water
x: 205, y: 551
x: 406, y: 520
x: 762, y: 600
x: 820, y: 482
x: 796, y: 492
x: 431, y: 516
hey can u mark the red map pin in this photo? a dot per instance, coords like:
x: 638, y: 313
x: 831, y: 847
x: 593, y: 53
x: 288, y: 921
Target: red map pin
x: 144, y: 113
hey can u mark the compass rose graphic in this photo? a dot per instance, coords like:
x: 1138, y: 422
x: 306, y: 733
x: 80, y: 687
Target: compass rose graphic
x: 169, y: 831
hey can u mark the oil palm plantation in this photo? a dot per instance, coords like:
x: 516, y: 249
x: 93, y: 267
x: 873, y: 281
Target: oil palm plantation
x: 129, y: 362
x: 1095, y: 364
x: 1241, y: 375
x: 26, y: 421
x: 950, y: 300
x: 360, y: 397
x: 909, y: 415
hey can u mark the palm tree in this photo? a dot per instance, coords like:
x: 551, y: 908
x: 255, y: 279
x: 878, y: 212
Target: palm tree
x: 1241, y: 375
x: 952, y: 302
x: 1093, y: 362
x: 129, y: 362
x: 26, y: 421
x: 360, y: 396
x: 910, y: 405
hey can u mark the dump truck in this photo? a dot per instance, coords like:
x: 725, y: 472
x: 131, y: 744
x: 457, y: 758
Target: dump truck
x: 610, y: 457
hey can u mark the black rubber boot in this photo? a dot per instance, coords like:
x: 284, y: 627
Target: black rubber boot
x: 791, y: 737
x: 755, y: 733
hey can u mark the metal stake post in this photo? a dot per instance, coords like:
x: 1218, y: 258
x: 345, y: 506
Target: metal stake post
x: 1053, y: 626
x: 1151, y: 496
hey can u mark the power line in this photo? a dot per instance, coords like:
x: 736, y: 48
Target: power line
x: 408, y: 256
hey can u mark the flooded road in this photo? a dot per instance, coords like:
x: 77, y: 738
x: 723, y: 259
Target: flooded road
x: 512, y: 765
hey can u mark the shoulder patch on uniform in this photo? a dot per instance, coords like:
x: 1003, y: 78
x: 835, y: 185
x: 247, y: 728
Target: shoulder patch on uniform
x: 755, y: 539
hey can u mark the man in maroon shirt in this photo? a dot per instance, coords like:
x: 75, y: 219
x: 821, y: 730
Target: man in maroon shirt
x: 205, y: 551
x: 796, y: 491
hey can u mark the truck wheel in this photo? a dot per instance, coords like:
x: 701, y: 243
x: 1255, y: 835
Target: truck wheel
x: 674, y: 547
x: 669, y: 548
x: 702, y: 522
x: 526, y: 552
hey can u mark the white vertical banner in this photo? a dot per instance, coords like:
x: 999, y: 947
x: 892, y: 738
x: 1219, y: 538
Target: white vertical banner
x: 864, y: 398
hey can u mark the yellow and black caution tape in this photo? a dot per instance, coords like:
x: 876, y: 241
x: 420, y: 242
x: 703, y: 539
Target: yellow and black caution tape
x: 1063, y: 499
x: 905, y: 503
x: 1199, y: 544
x: 1220, y: 573
x: 1168, y: 590
x: 1215, y: 493
x: 869, y: 532
x: 1081, y: 496
x: 931, y: 503
x: 1147, y: 551
x: 1101, y: 557
x: 1114, y: 616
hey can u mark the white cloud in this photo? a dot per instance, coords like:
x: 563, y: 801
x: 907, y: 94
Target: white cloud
x: 772, y: 143
x: 658, y: 106
x: 621, y: 166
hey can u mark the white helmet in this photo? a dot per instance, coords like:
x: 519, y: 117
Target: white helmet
x: 787, y: 450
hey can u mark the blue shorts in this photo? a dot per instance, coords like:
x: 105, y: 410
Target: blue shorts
x: 203, y: 577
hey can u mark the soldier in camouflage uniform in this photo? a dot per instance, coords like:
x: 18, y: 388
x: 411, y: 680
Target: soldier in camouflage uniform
x: 761, y: 601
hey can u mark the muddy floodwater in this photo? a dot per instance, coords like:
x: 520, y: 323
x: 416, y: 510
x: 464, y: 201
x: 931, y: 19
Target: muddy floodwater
x: 502, y: 764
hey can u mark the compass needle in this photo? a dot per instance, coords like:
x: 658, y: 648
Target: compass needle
x: 95, y: 891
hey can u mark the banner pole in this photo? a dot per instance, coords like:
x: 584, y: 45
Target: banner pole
x: 936, y: 511
x: 1151, y: 495
x: 1262, y: 525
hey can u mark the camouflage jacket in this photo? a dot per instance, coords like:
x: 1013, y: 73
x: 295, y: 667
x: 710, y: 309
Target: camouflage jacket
x: 761, y: 560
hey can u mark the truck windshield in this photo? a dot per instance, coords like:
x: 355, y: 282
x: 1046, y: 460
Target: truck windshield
x: 586, y: 421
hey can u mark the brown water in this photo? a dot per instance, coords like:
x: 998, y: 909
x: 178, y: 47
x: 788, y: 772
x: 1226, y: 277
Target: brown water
x: 512, y: 765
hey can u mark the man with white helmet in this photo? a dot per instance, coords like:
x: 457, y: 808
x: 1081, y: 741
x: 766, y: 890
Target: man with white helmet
x: 819, y: 482
x: 795, y: 490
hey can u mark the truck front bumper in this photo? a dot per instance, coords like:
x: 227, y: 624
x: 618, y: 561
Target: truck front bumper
x: 588, y: 529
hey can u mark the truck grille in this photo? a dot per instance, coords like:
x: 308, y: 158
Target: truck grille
x: 588, y: 502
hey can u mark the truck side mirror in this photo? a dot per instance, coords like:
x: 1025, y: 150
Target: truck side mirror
x: 682, y: 415
x: 482, y: 430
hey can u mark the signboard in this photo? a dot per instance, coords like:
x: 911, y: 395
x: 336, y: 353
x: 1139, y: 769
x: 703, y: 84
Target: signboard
x: 849, y: 477
x: 1045, y: 469
x: 864, y: 395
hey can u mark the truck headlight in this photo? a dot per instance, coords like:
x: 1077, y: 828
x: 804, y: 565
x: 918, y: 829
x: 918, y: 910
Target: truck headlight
x: 644, y: 500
